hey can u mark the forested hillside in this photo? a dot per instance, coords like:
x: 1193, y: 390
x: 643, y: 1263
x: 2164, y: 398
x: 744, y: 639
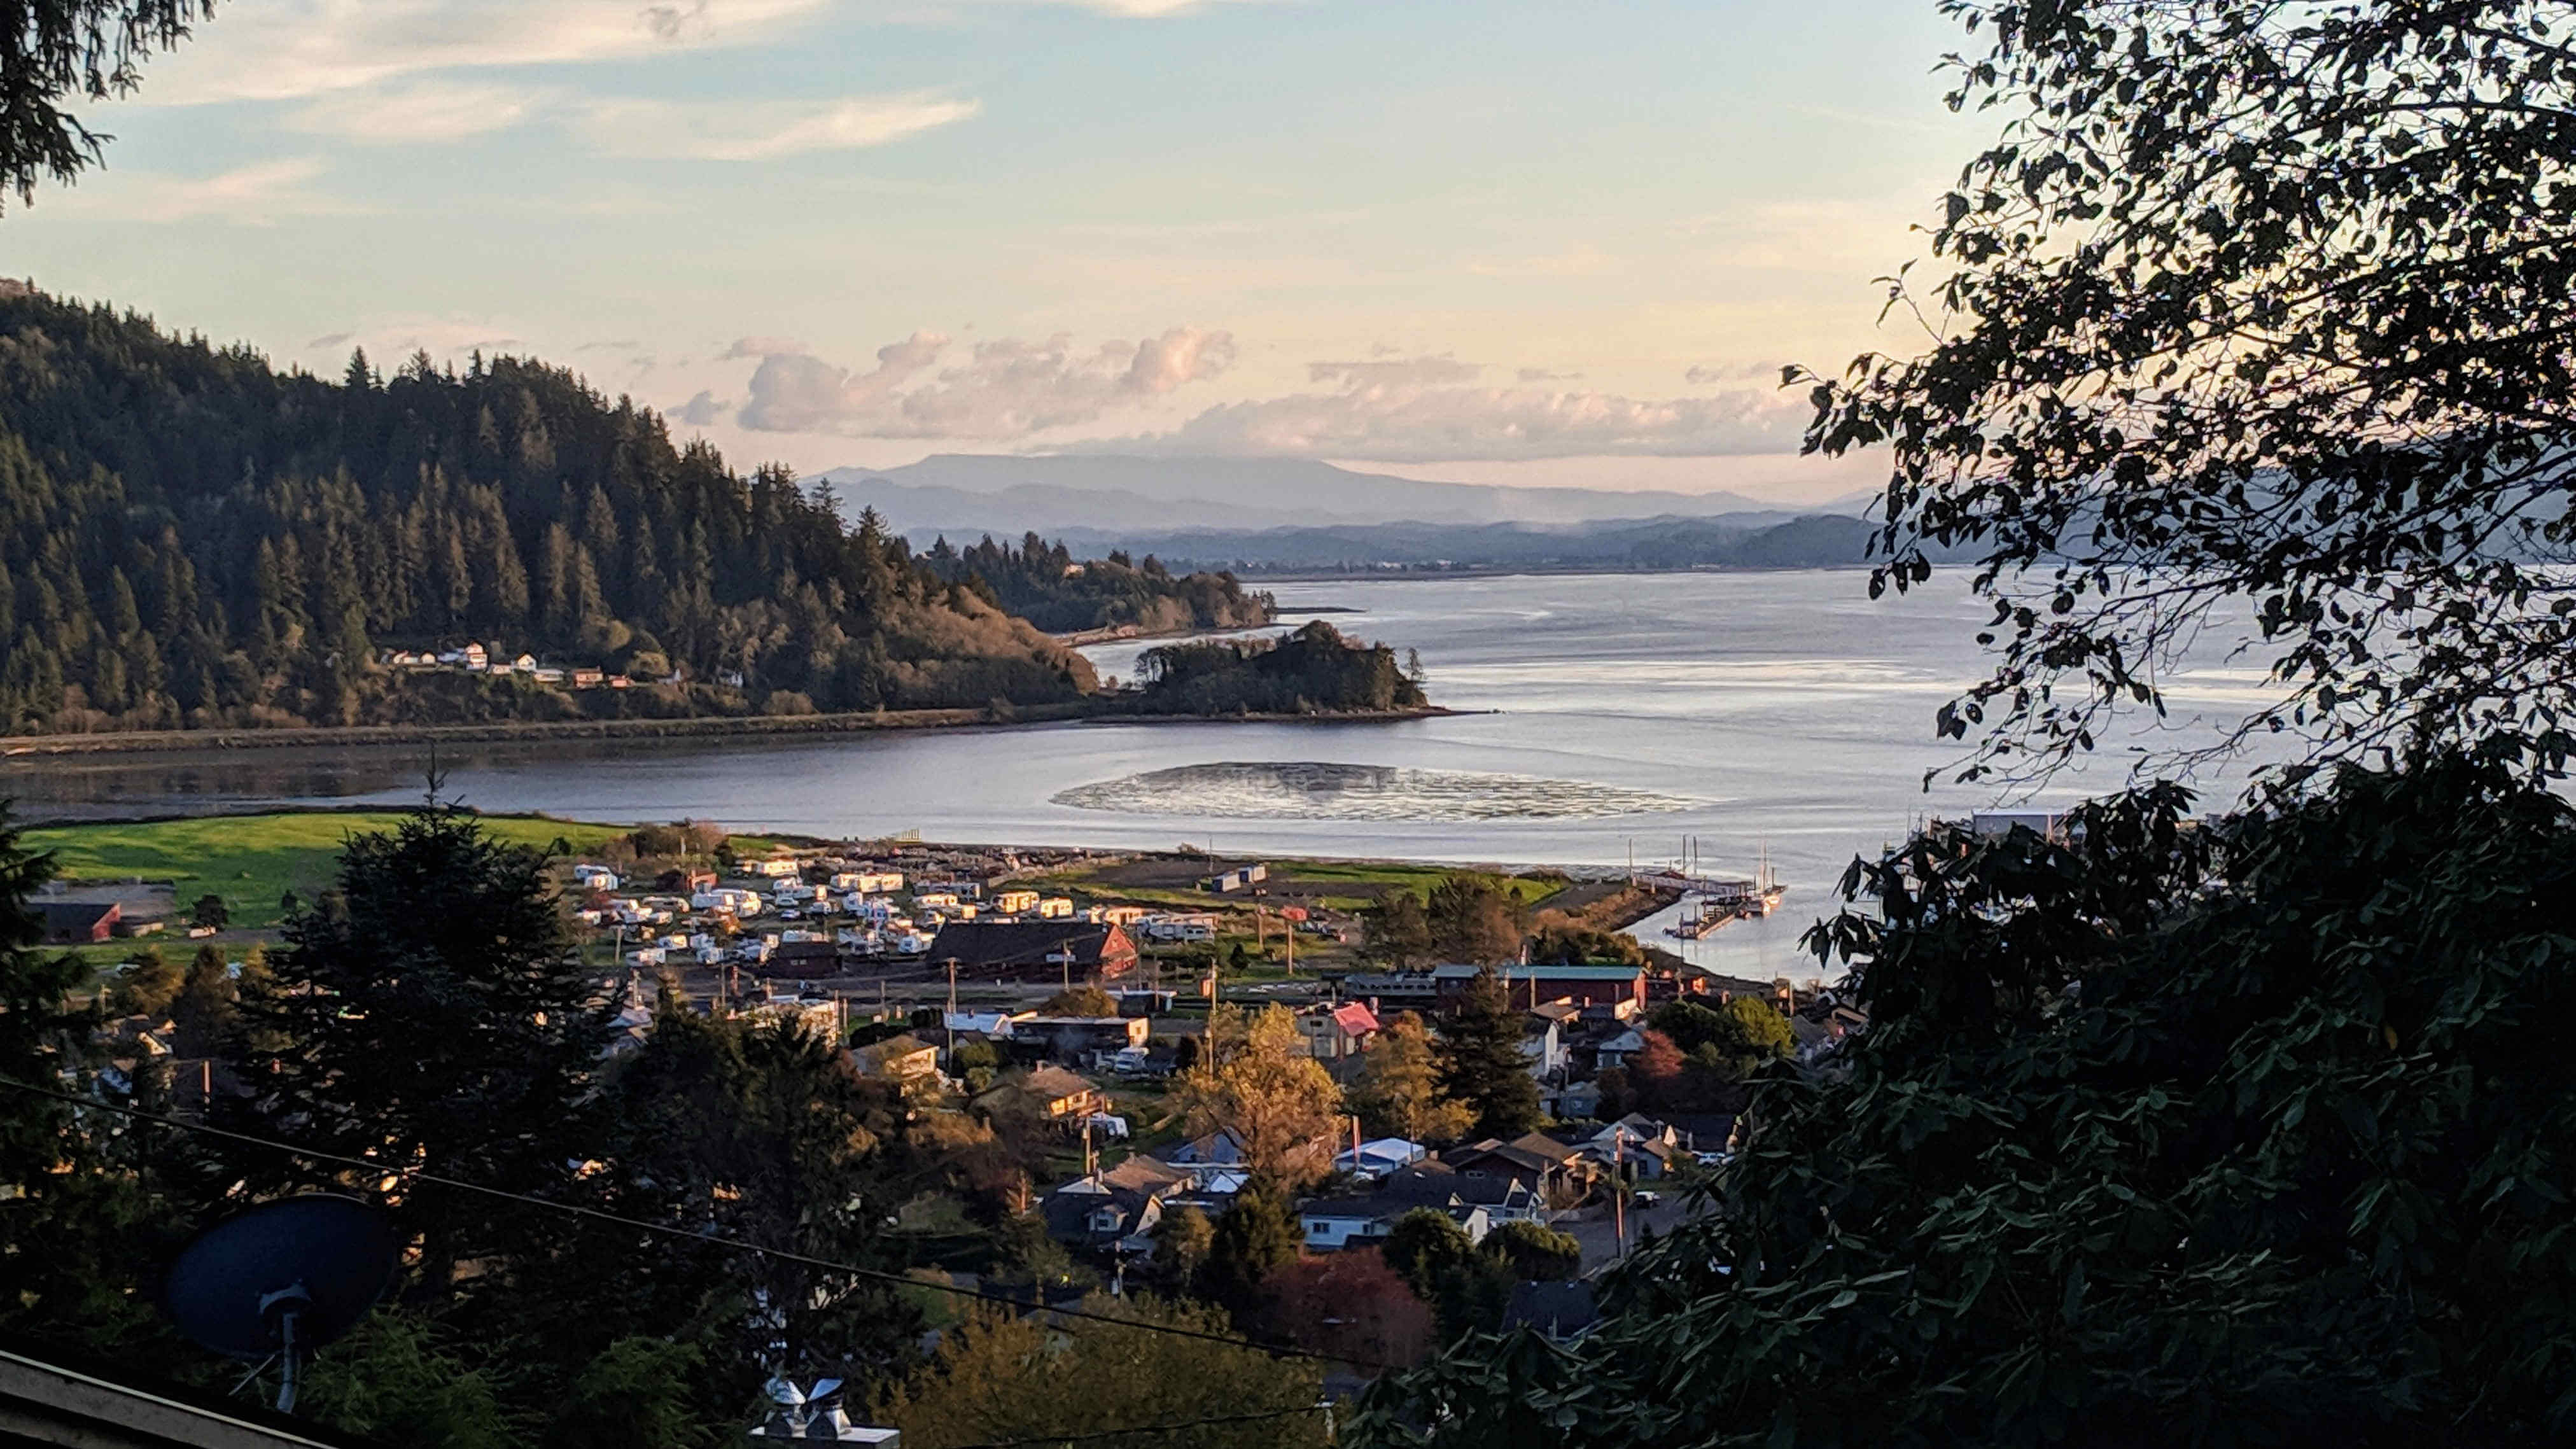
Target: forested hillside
x: 189, y: 537
x: 1045, y: 584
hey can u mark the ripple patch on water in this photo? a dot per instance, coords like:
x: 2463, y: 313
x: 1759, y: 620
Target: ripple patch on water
x: 1312, y: 791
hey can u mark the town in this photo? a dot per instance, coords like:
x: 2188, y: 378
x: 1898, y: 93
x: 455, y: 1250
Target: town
x: 1467, y: 1086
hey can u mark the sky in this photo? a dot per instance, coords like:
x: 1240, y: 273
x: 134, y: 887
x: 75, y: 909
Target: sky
x: 1483, y: 240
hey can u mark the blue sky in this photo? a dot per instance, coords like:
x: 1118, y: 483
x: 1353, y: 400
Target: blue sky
x: 1500, y: 241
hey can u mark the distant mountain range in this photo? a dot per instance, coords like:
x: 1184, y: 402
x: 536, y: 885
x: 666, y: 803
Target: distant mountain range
x: 971, y: 494
x: 1282, y: 514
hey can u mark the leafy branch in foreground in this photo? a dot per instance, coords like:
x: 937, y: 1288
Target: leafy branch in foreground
x: 2257, y: 313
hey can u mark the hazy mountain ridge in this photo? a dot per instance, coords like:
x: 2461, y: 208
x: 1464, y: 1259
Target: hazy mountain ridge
x: 975, y: 493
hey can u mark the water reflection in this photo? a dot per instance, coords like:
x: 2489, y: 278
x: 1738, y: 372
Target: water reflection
x: 1319, y: 790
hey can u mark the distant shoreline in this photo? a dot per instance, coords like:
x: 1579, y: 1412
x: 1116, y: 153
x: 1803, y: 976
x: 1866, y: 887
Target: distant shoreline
x: 224, y: 741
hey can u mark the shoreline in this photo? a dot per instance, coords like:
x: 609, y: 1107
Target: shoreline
x: 227, y: 741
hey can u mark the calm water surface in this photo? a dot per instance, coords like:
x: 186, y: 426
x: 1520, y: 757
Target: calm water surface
x: 1763, y: 713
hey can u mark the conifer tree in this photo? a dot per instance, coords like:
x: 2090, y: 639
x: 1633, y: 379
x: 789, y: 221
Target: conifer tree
x: 1481, y: 1063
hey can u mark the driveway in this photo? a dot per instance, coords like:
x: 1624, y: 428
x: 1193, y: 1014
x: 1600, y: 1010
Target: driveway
x: 1599, y: 1237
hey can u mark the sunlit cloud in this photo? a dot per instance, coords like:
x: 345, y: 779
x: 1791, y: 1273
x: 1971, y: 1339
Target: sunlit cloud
x: 414, y: 113
x: 256, y: 195
x: 1005, y: 389
x: 760, y: 131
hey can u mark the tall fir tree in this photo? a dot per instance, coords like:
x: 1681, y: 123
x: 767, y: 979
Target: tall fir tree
x: 1481, y: 1062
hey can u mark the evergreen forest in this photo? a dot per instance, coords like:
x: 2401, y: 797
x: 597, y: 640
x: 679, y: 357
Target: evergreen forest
x: 191, y: 538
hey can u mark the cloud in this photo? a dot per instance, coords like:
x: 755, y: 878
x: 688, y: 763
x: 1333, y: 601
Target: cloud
x: 292, y: 49
x: 254, y: 195
x: 412, y: 114
x: 1006, y: 388
x: 761, y: 347
x: 701, y: 411
x: 1702, y: 374
x: 1409, y: 421
x: 329, y: 339
x: 1541, y: 374
x: 1393, y: 372
x: 761, y: 131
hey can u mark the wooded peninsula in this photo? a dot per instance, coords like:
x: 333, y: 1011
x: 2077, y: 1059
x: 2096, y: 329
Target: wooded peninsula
x: 193, y: 540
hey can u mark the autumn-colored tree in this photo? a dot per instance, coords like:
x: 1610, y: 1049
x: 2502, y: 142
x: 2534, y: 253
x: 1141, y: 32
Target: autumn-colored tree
x: 1351, y: 1305
x: 998, y: 1378
x: 1399, y: 1090
x: 1253, y: 1076
x: 1182, y: 1241
x: 1079, y: 1001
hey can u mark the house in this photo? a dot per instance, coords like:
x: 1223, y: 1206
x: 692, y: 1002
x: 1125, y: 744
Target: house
x: 1035, y: 950
x: 1476, y: 1205
x: 1220, y: 1148
x: 1080, y: 1039
x: 1056, y: 1094
x: 1116, y: 1209
x: 803, y: 960
x: 524, y: 664
x: 588, y: 679
x: 594, y: 877
x: 1380, y: 1157
x: 1238, y: 879
x: 1013, y: 902
x: 1615, y: 1052
x: 1555, y: 1172
x: 1543, y: 1047
x: 990, y: 1025
x: 1334, y: 1032
x: 1527, y: 986
x: 547, y: 674
x: 904, y: 1058
x: 776, y: 867
x: 1055, y: 908
x: 1397, y: 989
x: 74, y: 923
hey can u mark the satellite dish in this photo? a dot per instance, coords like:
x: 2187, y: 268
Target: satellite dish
x: 282, y: 1279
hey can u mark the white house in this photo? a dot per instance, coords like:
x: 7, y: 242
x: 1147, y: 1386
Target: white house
x: 1375, y: 1159
x: 594, y: 877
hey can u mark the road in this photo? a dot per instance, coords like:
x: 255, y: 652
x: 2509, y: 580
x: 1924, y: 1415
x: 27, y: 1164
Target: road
x: 1599, y: 1237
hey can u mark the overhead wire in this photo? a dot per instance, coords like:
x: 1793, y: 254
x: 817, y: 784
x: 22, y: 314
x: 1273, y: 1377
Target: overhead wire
x: 782, y: 1255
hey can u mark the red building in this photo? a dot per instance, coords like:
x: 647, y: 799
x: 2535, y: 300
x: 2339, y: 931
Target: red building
x: 80, y: 923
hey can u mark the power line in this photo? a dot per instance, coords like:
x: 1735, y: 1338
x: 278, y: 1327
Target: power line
x: 781, y: 1255
x: 1090, y: 1435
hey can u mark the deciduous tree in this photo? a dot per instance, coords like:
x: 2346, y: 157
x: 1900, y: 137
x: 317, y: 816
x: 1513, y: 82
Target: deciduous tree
x: 1399, y: 1088
x: 2244, y: 321
x: 1253, y: 1077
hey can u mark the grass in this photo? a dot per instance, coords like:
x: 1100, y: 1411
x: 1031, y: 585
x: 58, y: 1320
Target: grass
x: 253, y: 860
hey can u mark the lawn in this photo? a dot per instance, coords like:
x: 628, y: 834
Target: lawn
x: 252, y: 860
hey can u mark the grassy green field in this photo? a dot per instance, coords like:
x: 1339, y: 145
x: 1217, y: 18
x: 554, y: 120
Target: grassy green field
x: 252, y: 860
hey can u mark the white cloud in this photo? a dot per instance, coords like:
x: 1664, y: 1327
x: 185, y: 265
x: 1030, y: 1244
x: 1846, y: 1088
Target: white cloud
x: 1415, y: 421
x: 291, y: 49
x: 762, y: 347
x: 1007, y: 388
x: 255, y: 195
x: 413, y: 113
x: 759, y: 131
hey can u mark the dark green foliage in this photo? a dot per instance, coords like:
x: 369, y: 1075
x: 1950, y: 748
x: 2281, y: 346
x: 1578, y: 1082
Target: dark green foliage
x: 1481, y: 1063
x: 210, y: 910
x: 1313, y: 670
x: 146, y: 986
x: 1468, y: 1290
x: 1556, y: 944
x: 57, y: 50
x: 207, y: 1009
x: 1253, y: 1237
x: 1534, y: 1251
x: 1475, y: 919
x: 430, y: 1010
x: 1044, y: 584
x: 190, y: 538
x: 1729, y: 1040
x: 398, y: 1382
x: 2249, y: 1135
x: 758, y: 1133
x: 1396, y: 931
x: 2240, y: 318
x: 77, y: 1236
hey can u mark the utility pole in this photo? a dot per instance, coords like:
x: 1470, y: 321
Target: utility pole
x: 1619, y: 1188
x: 950, y: 1019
